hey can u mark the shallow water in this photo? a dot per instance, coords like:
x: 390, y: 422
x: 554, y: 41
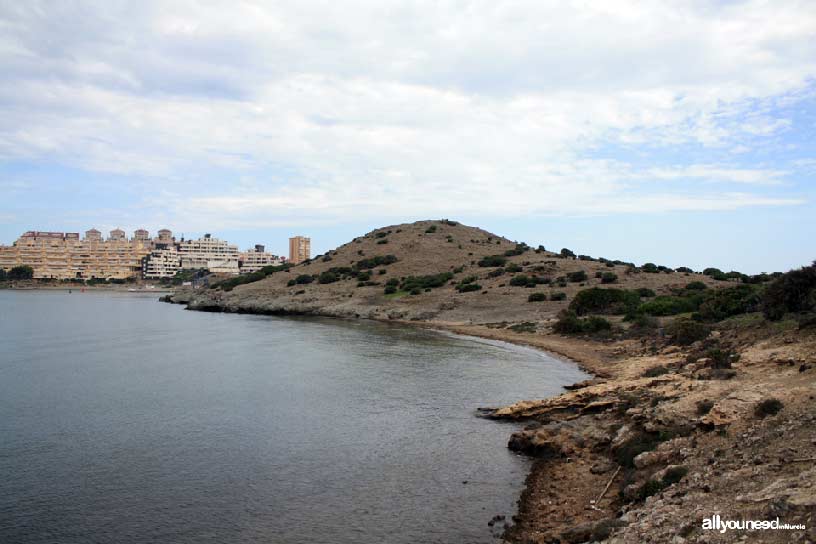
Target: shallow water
x: 123, y: 419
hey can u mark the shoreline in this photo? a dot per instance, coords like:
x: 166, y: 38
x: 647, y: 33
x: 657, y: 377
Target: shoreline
x: 627, y: 454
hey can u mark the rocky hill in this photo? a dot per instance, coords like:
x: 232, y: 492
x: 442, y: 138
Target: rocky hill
x: 345, y: 282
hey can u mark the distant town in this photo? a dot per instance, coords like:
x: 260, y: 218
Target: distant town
x: 66, y: 256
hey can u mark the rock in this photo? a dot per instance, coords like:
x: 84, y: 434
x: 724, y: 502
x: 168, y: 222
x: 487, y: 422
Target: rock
x: 648, y: 458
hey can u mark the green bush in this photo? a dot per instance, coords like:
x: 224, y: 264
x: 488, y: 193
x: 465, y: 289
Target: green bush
x: 794, y: 291
x: 645, y: 292
x: 518, y: 250
x: 522, y: 280
x: 304, y: 279
x: 496, y: 273
x: 468, y: 287
x: 380, y: 235
x: 430, y: 281
x: 430, y: 229
x: 670, y: 305
x: 685, y: 332
x: 651, y: 268
x: 373, y: 262
x: 696, y: 286
x: 2, y: 274
x: 577, y: 276
x: 22, y: 272
x: 608, y: 301
x: 558, y: 296
x: 493, y: 260
x: 722, y: 303
x: 231, y: 283
x: 569, y: 323
x: 383, y: 241
x: 566, y: 253
x: 537, y: 297
x: 609, y: 277
x: 513, y: 268
x: 390, y: 289
x: 685, y: 269
x: 327, y: 277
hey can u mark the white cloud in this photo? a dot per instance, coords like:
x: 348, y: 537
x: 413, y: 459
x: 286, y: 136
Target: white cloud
x: 366, y: 109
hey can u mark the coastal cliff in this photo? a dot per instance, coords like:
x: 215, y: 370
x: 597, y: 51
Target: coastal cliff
x: 684, y: 419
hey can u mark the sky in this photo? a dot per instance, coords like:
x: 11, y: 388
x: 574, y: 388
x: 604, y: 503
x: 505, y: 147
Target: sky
x: 681, y: 133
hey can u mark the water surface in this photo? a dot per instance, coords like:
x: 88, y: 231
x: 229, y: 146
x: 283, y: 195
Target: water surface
x: 123, y: 419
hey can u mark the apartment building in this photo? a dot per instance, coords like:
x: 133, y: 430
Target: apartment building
x: 162, y: 262
x: 217, y: 256
x: 255, y: 259
x: 63, y: 255
x: 299, y: 249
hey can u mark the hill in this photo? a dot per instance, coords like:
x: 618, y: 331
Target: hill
x: 429, y: 251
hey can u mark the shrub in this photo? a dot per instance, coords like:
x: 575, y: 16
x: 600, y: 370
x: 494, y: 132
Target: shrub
x: 569, y: 323
x: 609, y: 277
x: 696, y: 286
x: 449, y: 223
x: 721, y: 358
x: 722, y: 303
x: 382, y: 271
x: 430, y: 281
x: 513, y: 268
x: 794, y: 291
x: 2, y: 274
x: 383, y: 241
x: 373, y: 262
x: 642, y: 323
x: 651, y: 268
x: 518, y: 250
x: 495, y: 273
x: 522, y: 280
x: 230, y: 283
x: 327, y: 277
x: 566, y: 253
x: 527, y: 326
x: 364, y: 276
x: 610, y: 301
x: 577, y: 276
x: 558, y: 296
x: 685, y: 269
x: 768, y: 407
x: 390, y: 289
x: 645, y: 292
x: 304, y: 279
x: 685, y: 332
x: 22, y: 272
x: 380, y: 235
x: 670, y: 305
x: 537, y: 297
x: 468, y: 287
x: 493, y: 260
x: 430, y: 229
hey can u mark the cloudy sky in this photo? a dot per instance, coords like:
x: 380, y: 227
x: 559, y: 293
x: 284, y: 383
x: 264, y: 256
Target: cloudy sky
x: 677, y: 132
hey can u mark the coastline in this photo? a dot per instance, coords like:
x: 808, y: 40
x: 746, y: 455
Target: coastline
x: 631, y: 431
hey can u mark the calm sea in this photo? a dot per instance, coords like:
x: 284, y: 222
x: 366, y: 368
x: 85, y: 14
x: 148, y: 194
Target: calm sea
x: 123, y: 419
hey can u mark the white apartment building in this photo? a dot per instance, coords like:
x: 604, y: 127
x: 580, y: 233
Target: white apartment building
x: 217, y: 256
x: 162, y: 263
x: 255, y: 259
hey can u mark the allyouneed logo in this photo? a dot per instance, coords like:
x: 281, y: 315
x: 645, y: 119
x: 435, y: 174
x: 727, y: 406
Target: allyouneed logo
x: 716, y: 523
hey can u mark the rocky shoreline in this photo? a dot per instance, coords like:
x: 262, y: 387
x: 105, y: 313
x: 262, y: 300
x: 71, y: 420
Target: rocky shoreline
x: 658, y: 440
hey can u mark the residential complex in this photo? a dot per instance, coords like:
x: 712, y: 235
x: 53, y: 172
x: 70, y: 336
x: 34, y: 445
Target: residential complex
x: 66, y: 256
x: 299, y: 249
x: 63, y: 255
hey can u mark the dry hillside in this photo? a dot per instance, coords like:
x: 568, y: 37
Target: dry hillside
x: 426, y: 248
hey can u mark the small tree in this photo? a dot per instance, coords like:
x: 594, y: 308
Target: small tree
x: 23, y: 272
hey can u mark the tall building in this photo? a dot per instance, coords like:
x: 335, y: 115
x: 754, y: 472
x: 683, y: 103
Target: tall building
x: 299, y: 249
x: 141, y: 234
x: 163, y: 262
